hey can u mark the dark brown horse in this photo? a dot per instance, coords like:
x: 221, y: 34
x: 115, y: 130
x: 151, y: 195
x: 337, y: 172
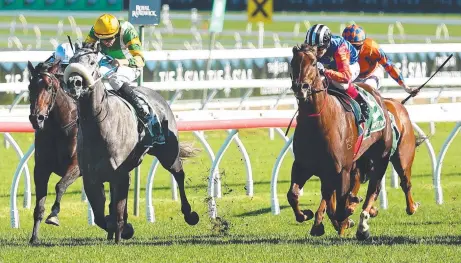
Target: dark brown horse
x: 53, y: 115
x: 324, y: 144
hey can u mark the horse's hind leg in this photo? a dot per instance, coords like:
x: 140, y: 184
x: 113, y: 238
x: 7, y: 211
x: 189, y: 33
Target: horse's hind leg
x: 299, y: 176
x: 191, y: 217
x: 41, y: 178
x: 374, y: 187
x: 402, y: 164
x: 69, y: 177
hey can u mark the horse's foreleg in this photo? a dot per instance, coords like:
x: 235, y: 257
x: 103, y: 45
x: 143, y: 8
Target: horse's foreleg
x: 110, y: 219
x: 402, y: 164
x: 123, y: 229
x: 374, y: 187
x: 69, y: 177
x: 326, y: 204
x: 97, y: 198
x: 191, y: 217
x: 299, y: 176
x: 342, y: 191
x: 41, y: 178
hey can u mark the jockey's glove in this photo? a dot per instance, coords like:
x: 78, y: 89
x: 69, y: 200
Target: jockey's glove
x: 321, y: 68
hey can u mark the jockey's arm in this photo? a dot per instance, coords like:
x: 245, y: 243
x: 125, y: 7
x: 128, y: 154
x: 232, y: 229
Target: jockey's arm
x: 91, y: 38
x: 343, y: 74
x: 392, y: 70
x: 132, y: 42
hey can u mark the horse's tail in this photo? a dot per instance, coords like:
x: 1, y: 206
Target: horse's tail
x: 420, y: 139
x: 187, y: 150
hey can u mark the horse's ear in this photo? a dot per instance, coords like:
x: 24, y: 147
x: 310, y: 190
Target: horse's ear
x: 98, y: 47
x: 54, y: 68
x: 295, y: 49
x: 78, y: 45
x: 30, y: 67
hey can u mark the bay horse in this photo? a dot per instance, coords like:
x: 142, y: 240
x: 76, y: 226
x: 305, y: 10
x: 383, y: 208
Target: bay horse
x: 326, y: 143
x: 53, y: 115
x: 109, y: 146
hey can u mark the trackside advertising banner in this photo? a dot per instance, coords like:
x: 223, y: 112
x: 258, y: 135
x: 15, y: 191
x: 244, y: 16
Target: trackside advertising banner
x: 185, y: 68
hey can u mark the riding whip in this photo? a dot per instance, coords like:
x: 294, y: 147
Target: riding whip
x: 289, y: 125
x: 437, y: 71
x: 70, y: 42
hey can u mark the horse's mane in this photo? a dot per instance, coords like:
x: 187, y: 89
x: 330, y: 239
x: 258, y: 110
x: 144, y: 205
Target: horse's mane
x: 306, y: 49
x: 43, y: 66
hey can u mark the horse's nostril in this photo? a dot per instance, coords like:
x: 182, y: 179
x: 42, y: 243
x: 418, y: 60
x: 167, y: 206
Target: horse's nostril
x: 41, y: 117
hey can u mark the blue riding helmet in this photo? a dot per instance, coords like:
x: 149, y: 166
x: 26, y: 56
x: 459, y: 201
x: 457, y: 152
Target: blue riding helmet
x: 64, y: 52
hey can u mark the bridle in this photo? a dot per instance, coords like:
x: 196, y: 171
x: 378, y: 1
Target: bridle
x: 52, y: 102
x: 300, y: 84
x: 49, y: 87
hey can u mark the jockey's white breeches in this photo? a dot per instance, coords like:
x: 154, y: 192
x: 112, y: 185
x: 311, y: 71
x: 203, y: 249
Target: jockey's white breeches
x: 122, y: 75
x: 374, y: 79
x: 355, y: 71
x: 371, y: 80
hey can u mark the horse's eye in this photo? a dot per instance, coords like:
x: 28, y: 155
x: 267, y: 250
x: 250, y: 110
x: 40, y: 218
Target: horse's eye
x: 92, y: 63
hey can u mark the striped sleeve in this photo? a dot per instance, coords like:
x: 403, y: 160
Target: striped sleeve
x: 394, y: 72
x: 132, y: 41
x: 342, y: 57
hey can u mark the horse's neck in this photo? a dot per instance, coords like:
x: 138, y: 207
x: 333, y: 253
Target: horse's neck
x: 64, y: 108
x: 318, y: 112
x: 94, y: 106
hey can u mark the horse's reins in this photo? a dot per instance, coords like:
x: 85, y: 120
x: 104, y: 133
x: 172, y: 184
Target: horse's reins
x: 300, y: 84
x: 53, y: 93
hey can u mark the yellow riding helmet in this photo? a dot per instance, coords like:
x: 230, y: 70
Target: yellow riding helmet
x: 107, y: 26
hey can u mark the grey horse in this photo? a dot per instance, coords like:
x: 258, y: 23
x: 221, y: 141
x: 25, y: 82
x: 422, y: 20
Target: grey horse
x: 109, y: 145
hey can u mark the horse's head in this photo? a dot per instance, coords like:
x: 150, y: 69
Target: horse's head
x: 305, y: 75
x: 43, y: 87
x: 83, y: 70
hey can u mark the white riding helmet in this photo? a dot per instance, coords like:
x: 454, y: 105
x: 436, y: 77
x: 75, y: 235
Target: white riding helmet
x: 64, y: 52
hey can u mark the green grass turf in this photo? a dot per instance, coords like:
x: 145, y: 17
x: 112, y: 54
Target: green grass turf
x: 253, y: 233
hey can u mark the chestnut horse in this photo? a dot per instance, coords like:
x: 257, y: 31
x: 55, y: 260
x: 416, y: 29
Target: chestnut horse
x: 323, y: 144
x: 402, y: 159
x: 53, y: 115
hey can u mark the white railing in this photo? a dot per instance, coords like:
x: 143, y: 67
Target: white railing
x: 234, y: 120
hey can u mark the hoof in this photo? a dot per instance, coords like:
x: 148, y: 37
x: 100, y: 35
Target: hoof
x: 374, y: 212
x: 192, y: 218
x: 111, y: 225
x: 363, y: 235
x: 308, y: 214
x: 52, y: 220
x: 415, y: 207
x: 317, y: 231
x: 33, y: 241
x: 128, y: 231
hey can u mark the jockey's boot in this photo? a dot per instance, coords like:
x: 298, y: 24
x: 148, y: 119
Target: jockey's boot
x: 142, y: 111
x: 363, y: 108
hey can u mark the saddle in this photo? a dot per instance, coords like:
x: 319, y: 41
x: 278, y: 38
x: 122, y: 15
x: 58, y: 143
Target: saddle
x: 348, y: 103
x: 152, y: 111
